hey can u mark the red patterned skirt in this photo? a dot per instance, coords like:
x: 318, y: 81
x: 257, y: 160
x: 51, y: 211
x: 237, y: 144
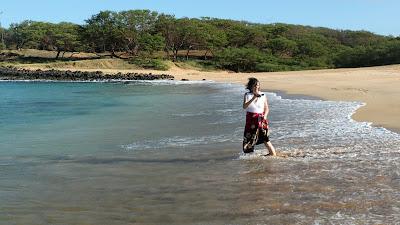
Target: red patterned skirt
x: 255, y: 131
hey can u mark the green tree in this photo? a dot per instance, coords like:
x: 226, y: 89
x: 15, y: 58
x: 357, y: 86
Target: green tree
x: 179, y: 34
x: 258, y: 37
x: 166, y: 26
x: 135, y: 26
x: 359, y: 38
x: 101, y: 32
x: 200, y: 35
x: 46, y: 36
x: 239, y: 59
x: 189, y: 35
x: 278, y: 29
x: 282, y: 46
x: 30, y: 34
x: 2, y: 38
x: 151, y: 43
x: 237, y: 33
x: 66, y: 37
x: 212, y: 39
x: 383, y: 53
x: 234, y: 45
x: 310, y: 48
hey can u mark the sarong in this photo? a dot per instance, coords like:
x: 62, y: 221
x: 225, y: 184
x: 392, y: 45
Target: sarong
x: 255, y: 131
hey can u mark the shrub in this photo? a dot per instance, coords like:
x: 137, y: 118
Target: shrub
x: 270, y: 67
x: 148, y: 63
x: 239, y: 59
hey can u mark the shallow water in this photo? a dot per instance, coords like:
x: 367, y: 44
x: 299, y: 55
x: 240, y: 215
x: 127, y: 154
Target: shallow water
x: 169, y: 153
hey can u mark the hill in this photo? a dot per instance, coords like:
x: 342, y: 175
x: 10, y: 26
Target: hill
x: 146, y: 39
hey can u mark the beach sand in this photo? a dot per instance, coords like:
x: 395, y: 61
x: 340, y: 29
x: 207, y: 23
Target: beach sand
x: 378, y: 87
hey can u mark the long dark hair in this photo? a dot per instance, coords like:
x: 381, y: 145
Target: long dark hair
x: 252, y: 82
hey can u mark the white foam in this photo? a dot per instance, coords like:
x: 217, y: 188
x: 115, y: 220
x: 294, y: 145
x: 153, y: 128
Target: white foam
x: 257, y: 154
x: 318, y: 129
x: 169, y: 82
x: 192, y: 114
x: 177, y: 142
x: 301, y: 128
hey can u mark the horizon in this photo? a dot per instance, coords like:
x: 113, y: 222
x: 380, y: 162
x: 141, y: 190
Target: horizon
x: 359, y: 15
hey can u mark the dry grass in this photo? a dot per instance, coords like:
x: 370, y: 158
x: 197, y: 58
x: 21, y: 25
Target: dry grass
x: 77, y: 60
x: 83, y: 64
x: 42, y: 59
x: 49, y: 54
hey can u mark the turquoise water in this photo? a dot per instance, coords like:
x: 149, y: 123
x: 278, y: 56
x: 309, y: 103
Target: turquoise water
x: 87, y: 118
x: 168, y: 152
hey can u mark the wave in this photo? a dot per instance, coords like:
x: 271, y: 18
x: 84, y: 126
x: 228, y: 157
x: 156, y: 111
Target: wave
x: 179, y: 142
x: 169, y: 82
x: 192, y: 114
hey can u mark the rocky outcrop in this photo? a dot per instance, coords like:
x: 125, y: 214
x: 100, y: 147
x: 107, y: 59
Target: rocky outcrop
x: 11, y: 73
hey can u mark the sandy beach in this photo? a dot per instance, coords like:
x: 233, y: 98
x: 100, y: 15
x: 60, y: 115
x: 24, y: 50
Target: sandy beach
x: 378, y: 87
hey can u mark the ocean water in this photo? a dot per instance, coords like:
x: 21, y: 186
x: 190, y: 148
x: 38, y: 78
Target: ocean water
x: 169, y: 152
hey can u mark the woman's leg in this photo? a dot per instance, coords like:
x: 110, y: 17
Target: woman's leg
x: 271, y: 149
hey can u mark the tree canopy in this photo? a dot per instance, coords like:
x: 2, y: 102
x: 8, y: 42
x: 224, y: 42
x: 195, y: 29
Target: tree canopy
x: 223, y: 43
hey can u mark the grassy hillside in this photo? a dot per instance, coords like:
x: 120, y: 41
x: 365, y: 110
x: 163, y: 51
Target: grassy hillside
x: 33, y: 58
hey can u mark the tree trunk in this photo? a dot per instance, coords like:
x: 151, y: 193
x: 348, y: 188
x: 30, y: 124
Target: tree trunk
x: 175, y: 55
x: 205, y: 55
x: 187, y: 54
x: 20, y: 45
x: 113, y: 54
x: 2, y: 38
x: 167, y: 53
x: 74, y: 54
x: 135, y: 50
x: 58, y: 53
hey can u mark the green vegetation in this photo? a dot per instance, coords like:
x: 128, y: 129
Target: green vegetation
x: 196, y: 64
x: 149, y: 39
x: 149, y: 63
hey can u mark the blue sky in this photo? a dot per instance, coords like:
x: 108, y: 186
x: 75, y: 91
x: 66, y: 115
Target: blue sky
x: 377, y: 16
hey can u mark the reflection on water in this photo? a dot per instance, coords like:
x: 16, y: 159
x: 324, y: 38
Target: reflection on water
x: 168, y: 188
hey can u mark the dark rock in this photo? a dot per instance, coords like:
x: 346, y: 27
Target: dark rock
x: 11, y: 73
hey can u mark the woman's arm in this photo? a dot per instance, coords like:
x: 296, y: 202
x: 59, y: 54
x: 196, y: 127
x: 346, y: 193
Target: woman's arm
x: 266, y: 108
x: 246, y: 104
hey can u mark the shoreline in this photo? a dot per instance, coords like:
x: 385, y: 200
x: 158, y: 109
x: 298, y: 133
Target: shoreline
x: 309, y: 97
x: 377, y: 87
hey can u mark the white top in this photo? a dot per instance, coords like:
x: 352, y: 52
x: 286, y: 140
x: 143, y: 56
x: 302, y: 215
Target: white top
x: 257, y: 106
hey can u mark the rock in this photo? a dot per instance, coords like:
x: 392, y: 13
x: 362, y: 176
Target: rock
x: 11, y: 73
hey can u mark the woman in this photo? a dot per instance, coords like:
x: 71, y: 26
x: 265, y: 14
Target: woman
x: 256, y: 129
